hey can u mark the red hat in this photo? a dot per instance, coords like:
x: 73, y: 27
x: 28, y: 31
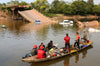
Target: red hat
x: 35, y: 46
x: 41, y: 47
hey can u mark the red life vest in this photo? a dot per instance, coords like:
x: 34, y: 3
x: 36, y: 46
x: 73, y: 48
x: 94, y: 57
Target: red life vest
x: 67, y: 39
x: 41, y: 54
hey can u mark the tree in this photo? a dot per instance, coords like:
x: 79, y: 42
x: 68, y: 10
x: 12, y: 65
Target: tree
x: 41, y: 5
x: 23, y: 3
x: 54, y: 6
x: 57, y: 6
x: 67, y: 9
x: 90, y: 2
x: 79, y: 7
x: 96, y: 9
x: 32, y: 4
x: 12, y: 2
x: 90, y: 6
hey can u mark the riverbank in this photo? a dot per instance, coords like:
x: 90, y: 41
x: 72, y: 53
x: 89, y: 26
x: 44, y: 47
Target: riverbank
x: 60, y: 17
x: 3, y: 15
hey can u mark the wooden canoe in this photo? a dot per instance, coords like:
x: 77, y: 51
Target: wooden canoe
x: 34, y: 58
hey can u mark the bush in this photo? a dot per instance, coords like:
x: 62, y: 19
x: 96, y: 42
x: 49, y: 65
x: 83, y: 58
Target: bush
x: 49, y: 14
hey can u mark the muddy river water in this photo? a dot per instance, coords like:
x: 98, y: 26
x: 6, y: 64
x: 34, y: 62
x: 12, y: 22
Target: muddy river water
x: 19, y: 37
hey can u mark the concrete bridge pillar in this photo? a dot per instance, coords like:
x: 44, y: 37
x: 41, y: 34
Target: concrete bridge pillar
x: 13, y: 12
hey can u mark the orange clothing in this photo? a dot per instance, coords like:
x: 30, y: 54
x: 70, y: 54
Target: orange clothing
x: 77, y: 37
x: 41, y: 54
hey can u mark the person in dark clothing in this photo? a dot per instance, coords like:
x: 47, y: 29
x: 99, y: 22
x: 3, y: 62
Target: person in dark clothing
x: 50, y: 45
x: 77, y: 40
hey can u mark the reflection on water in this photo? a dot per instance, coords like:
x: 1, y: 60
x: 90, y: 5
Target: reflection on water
x: 42, y: 34
x: 76, y: 58
x: 66, y: 61
x: 84, y: 54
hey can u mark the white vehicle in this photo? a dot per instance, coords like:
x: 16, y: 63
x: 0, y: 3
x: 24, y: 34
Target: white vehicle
x: 66, y: 22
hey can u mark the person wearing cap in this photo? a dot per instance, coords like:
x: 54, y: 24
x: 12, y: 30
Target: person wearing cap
x: 67, y: 42
x: 84, y: 37
x: 50, y: 45
x: 77, y: 40
x: 34, y: 50
x: 41, y: 53
x: 32, y: 53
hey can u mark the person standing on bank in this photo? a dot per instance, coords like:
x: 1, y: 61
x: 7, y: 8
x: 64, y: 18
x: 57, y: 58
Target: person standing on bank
x: 67, y: 42
x: 77, y: 40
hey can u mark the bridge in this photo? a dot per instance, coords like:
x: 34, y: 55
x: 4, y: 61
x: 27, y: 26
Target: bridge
x: 32, y: 15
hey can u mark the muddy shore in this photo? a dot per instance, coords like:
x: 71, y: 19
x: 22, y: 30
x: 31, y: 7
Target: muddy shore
x: 60, y: 17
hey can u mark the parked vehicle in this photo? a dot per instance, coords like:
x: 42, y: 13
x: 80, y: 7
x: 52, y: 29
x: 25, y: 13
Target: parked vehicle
x: 66, y: 22
x: 37, y: 21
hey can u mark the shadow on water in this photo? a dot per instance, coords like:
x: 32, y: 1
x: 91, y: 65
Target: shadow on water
x: 65, y: 59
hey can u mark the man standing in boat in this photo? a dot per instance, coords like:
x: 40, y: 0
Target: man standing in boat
x: 77, y: 40
x: 67, y: 42
x: 84, y: 37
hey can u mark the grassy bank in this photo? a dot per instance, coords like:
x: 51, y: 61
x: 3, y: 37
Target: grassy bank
x: 50, y: 15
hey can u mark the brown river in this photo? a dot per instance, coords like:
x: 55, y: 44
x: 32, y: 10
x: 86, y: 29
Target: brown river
x: 19, y: 37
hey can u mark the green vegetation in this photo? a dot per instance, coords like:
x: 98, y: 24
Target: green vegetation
x: 77, y: 7
x: 41, y: 5
x: 49, y: 14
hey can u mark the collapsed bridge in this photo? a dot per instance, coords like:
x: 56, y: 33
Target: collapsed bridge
x: 32, y: 15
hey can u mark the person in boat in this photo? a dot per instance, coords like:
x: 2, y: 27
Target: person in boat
x: 34, y: 50
x: 50, y: 45
x: 52, y: 51
x: 77, y: 42
x: 67, y: 42
x: 42, y: 45
x: 84, y: 37
x: 41, y: 53
x: 74, y: 47
x: 32, y: 53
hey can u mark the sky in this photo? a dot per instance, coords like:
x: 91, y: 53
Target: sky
x: 29, y: 1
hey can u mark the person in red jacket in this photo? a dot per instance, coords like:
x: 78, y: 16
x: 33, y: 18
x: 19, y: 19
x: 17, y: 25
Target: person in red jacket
x: 41, y: 53
x: 67, y: 41
x: 77, y: 40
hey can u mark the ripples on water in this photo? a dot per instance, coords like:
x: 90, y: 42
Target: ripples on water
x: 19, y: 37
